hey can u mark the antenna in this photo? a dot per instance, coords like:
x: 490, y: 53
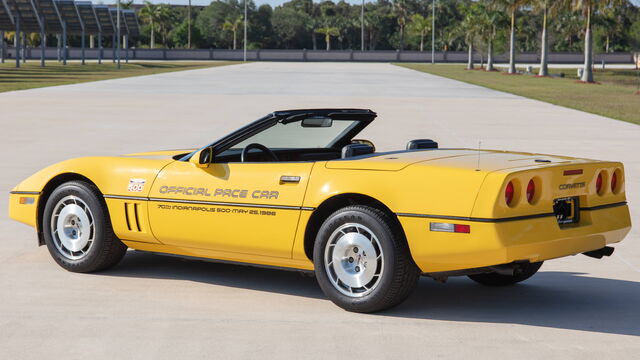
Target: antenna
x: 479, y: 146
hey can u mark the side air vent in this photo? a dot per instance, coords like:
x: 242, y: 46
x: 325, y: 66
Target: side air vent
x: 131, y: 213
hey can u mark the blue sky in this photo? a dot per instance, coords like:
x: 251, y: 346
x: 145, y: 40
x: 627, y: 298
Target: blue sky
x: 259, y: 2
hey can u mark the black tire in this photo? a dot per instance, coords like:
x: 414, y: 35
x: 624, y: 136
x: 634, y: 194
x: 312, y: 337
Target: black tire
x: 522, y: 273
x: 104, y: 251
x: 399, y: 275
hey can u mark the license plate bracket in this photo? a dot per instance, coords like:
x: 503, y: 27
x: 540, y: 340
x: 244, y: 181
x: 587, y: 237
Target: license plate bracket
x: 567, y: 210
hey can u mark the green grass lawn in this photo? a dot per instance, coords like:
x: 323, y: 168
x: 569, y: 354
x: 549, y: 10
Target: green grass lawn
x: 31, y: 75
x: 613, y: 96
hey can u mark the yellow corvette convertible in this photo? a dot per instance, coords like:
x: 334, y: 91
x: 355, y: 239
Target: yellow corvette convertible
x: 296, y: 190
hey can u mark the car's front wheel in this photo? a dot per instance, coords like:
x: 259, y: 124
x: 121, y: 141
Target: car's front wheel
x: 362, y: 261
x: 77, y: 229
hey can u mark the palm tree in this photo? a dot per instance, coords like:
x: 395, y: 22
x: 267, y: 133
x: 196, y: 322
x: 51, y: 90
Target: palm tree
x: 547, y: 8
x: 401, y: 13
x: 489, y: 20
x: 448, y: 39
x: 310, y: 25
x: 328, y: 32
x: 588, y: 8
x: 374, y: 16
x: 165, y: 21
x: 469, y: 28
x: 511, y: 7
x: 33, y: 39
x: 233, y: 26
x: 150, y: 14
x: 422, y: 26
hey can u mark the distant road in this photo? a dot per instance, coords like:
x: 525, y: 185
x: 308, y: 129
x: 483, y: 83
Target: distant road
x: 165, y: 308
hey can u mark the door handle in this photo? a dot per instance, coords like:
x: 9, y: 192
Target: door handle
x: 286, y: 179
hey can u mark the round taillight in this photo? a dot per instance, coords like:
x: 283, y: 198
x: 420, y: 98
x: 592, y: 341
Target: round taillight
x: 614, y: 181
x: 531, y: 191
x: 508, y: 193
x: 599, y: 183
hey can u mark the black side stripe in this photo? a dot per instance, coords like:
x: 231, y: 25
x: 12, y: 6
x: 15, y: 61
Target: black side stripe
x: 200, y: 202
x: 605, y: 206
x: 514, y: 218
x: 25, y: 192
x: 475, y: 219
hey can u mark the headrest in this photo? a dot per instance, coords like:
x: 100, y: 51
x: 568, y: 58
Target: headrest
x: 422, y: 144
x: 352, y: 150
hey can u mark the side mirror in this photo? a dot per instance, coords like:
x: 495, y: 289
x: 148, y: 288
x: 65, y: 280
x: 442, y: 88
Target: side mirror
x: 365, y: 142
x: 202, y: 158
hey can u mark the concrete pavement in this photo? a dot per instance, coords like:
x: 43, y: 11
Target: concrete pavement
x: 158, y: 307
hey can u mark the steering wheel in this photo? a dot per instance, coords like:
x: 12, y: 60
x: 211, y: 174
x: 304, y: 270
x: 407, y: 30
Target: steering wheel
x: 245, y: 152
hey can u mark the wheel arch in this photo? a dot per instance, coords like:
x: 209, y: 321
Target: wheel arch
x: 51, y: 185
x: 334, y: 203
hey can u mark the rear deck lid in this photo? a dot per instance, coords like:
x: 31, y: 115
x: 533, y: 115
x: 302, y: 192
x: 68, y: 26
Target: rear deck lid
x: 485, y: 160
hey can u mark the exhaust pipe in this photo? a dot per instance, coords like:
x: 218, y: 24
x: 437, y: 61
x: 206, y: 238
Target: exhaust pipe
x: 598, y: 254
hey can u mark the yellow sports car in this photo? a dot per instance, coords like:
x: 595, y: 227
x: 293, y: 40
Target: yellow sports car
x: 295, y: 190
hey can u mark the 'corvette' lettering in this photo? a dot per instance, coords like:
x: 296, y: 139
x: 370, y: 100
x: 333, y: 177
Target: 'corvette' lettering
x: 572, y: 186
x: 219, y: 192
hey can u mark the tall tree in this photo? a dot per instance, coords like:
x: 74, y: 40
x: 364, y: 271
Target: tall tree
x: 309, y: 14
x: 379, y: 24
x: 489, y: 21
x: 328, y: 32
x: 166, y: 20
x: 288, y: 25
x: 402, y: 13
x: 511, y: 7
x: 588, y: 8
x: 547, y: 8
x: 420, y: 26
x: 233, y: 25
x: 470, y: 27
x: 211, y: 19
x: 614, y: 25
x: 150, y: 14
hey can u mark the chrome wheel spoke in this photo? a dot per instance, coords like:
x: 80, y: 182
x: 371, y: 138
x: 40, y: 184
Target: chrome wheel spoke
x: 72, y: 227
x: 353, y: 260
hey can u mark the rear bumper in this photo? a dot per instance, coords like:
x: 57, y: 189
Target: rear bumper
x: 494, y: 243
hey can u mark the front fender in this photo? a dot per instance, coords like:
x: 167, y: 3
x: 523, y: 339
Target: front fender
x: 110, y: 174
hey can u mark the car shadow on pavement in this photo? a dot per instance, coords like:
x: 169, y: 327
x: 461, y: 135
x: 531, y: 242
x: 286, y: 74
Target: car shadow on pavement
x: 139, y: 264
x: 555, y: 299
x: 563, y: 300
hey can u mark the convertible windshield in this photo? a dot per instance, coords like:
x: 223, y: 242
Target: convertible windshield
x: 300, y: 134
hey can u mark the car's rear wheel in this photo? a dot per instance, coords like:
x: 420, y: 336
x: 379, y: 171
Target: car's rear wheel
x: 362, y: 261
x: 521, y: 273
x: 77, y: 229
